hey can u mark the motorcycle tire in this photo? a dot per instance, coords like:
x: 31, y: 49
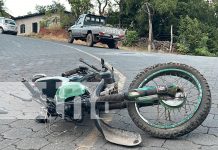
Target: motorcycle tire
x: 186, y: 125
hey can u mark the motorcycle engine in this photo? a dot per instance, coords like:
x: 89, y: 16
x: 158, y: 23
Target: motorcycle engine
x: 73, y: 108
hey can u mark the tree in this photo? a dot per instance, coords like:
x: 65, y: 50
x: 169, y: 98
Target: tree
x: 120, y: 4
x: 58, y: 8
x: 54, y: 7
x: 102, y: 4
x: 79, y: 7
x: 163, y: 7
x: 195, y: 22
x: 2, y: 10
x: 192, y: 36
x: 29, y: 13
x: 41, y: 9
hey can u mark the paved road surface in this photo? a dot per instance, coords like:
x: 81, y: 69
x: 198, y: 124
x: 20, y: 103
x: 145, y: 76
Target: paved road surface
x: 23, y: 57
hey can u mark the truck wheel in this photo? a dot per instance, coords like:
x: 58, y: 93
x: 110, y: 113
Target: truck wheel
x: 90, y: 40
x: 70, y: 37
x: 113, y: 45
x: 14, y: 33
x: 1, y: 31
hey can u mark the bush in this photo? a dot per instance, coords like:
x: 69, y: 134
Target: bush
x: 182, y: 48
x: 66, y: 20
x: 192, y: 37
x: 203, y: 52
x: 131, y: 38
x: 43, y: 24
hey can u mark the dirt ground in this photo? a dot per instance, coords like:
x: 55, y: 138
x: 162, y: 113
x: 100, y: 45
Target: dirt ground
x: 57, y: 34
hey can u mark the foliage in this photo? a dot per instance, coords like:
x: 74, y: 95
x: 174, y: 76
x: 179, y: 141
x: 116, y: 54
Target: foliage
x: 203, y: 52
x: 66, y: 20
x: 50, y: 10
x: 2, y: 9
x: 190, y: 33
x: 182, y: 48
x: 164, y: 6
x: 41, y: 9
x: 131, y: 38
x: 102, y: 4
x: 79, y: 7
x: 195, y: 22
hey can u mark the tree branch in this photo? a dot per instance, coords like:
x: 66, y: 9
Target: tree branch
x: 103, y: 10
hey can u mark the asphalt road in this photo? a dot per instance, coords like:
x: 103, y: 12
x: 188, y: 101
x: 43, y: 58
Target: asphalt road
x: 23, y: 57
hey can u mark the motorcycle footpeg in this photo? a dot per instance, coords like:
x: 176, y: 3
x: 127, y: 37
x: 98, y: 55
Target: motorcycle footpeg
x: 118, y: 136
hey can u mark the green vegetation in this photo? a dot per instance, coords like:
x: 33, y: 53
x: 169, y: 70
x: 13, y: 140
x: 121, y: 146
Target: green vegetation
x: 131, y: 38
x: 79, y: 7
x: 195, y: 22
x: 50, y: 19
x: 2, y: 9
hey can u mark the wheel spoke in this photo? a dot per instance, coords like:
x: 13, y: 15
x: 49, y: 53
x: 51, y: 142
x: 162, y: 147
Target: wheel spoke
x: 169, y: 116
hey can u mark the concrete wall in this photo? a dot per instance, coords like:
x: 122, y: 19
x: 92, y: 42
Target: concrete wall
x: 53, y: 21
x: 28, y: 24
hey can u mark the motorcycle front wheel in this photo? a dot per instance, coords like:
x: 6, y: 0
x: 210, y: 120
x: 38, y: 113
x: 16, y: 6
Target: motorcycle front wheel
x: 172, y: 117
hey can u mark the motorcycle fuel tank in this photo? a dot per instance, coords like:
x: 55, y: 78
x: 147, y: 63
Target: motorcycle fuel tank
x: 68, y: 90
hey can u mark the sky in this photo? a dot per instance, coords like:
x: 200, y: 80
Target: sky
x: 22, y: 7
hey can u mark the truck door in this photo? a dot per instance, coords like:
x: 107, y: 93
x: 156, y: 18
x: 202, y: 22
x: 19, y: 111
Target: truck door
x: 77, y: 27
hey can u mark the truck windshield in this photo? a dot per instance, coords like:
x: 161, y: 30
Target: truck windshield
x: 94, y: 20
x: 9, y: 21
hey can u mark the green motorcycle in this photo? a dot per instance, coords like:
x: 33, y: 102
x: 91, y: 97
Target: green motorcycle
x: 166, y: 100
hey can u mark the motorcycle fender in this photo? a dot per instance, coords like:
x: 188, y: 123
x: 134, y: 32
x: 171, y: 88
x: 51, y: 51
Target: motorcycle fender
x: 69, y: 89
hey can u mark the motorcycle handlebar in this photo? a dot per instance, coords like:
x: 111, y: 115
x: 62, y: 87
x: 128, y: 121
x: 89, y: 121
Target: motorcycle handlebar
x: 69, y: 73
x: 91, y: 66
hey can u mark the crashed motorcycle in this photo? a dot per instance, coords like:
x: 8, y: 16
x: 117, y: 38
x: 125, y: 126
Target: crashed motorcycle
x: 166, y: 100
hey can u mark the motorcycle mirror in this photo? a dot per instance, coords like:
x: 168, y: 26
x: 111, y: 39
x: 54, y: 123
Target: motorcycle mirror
x: 81, y: 60
x: 102, y: 62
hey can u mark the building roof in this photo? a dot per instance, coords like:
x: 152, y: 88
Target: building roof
x: 34, y: 15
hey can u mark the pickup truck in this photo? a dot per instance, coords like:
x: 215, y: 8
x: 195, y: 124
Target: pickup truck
x: 93, y: 29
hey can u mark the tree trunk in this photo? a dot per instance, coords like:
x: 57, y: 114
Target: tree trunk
x: 100, y: 9
x: 171, y: 43
x: 121, y: 12
x: 150, y: 28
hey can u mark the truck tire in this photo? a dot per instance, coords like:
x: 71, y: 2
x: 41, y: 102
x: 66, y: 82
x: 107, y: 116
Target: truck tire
x: 90, y: 40
x: 15, y: 34
x: 112, y: 44
x: 70, y: 37
x: 1, y: 30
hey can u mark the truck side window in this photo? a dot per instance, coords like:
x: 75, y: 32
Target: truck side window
x: 102, y: 21
x: 88, y: 19
x: 80, y: 20
x: 93, y: 19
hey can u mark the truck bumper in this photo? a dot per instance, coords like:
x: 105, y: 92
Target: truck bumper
x: 106, y: 39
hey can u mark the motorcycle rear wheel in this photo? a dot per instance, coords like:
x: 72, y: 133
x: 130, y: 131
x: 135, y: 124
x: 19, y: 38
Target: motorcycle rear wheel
x: 172, y: 123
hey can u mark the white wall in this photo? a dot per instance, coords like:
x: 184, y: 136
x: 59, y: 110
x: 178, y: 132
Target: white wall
x: 28, y: 24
